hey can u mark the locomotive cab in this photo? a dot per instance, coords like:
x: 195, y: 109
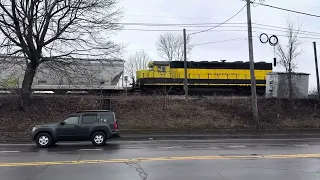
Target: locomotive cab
x: 156, y: 70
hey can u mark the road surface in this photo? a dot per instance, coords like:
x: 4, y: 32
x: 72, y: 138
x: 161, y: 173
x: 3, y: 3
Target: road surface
x: 224, y: 159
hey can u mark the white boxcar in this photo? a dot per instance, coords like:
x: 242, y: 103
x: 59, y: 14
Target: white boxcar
x: 277, y: 85
x: 83, y: 75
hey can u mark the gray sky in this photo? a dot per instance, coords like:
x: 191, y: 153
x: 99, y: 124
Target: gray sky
x: 216, y: 11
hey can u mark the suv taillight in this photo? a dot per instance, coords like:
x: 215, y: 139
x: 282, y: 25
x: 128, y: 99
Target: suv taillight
x: 115, y: 125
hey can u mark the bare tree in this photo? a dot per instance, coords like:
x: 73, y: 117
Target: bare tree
x: 137, y: 61
x: 287, y: 54
x: 170, y: 46
x: 57, y: 33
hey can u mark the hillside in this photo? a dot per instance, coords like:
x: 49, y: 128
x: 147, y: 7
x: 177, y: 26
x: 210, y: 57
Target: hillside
x: 159, y: 113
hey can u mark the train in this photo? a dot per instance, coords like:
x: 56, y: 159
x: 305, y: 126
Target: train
x: 107, y: 76
x: 204, y: 77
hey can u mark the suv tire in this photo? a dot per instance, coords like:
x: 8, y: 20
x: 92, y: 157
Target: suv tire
x: 98, y: 138
x: 43, y: 140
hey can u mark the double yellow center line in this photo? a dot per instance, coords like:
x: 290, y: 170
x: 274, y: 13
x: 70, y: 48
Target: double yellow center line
x: 286, y: 156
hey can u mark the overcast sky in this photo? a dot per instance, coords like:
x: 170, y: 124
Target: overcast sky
x: 216, y: 11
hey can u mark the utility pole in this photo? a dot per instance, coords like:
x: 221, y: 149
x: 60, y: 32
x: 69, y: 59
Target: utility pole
x: 185, y: 64
x: 253, y: 78
x: 317, y: 71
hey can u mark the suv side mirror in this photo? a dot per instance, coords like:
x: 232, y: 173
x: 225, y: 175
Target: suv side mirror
x: 62, y: 123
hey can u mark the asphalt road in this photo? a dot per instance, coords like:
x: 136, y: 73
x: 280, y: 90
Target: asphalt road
x: 233, y: 159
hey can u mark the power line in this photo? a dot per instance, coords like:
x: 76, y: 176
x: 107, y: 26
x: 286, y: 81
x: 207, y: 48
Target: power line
x: 176, y: 24
x: 173, y: 17
x: 176, y: 30
x: 226, y: 40
x: 308, y: 35
x: 221, y: 41
x: 315, y: 36
x: 301, y: 37
x: 235, y: 39
x: 152, y: 30
x: 203, y: 25
x: 220, y: 23
x: 297, y: 30
x: 289, y: 10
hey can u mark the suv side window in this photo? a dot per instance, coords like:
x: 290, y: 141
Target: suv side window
x: 72, y: 120
x: 105, y: 118
x: 89, y: 118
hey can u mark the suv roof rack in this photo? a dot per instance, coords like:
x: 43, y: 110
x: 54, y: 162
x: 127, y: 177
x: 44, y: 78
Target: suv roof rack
x: 81, y: 111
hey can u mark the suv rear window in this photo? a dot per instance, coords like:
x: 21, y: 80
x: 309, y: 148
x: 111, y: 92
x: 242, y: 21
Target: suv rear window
x: 89, y: 118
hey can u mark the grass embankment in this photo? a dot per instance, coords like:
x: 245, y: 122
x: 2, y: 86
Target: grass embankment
x: 168, y: 114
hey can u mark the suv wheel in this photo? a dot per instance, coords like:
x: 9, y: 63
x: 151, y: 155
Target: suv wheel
x: 43, y: 140
x: 98, y: 139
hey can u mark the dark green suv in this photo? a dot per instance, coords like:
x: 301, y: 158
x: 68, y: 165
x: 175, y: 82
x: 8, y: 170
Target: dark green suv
x: 94, y: 125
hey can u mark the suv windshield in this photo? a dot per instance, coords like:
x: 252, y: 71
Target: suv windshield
x: 72, y: 120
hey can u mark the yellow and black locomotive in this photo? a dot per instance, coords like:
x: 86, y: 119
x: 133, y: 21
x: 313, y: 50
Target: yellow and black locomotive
x: 203, y: 77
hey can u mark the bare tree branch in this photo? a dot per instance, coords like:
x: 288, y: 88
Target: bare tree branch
x: 49, y: 31
x: 138, y: 61
x: 287, y: 54
x: 170, y: 47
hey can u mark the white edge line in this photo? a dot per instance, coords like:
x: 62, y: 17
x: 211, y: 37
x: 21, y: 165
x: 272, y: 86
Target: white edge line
x: 166, y: 147
x: 89, y: 149
x: 236, y: 146
x: 301, y: 145
x: 10, y: 151
x: 4, y: 144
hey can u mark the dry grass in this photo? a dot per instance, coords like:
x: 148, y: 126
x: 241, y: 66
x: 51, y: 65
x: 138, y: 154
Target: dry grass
x: 158, y: 113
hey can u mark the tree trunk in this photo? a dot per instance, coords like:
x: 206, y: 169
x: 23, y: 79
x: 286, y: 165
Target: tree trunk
x: 25, y: 91
x: 290, y: 83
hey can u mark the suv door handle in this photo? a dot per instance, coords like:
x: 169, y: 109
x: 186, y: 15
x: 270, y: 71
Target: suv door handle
x: 76, y: 126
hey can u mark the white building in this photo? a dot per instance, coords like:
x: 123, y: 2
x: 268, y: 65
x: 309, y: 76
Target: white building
x: 277, y: 85
x: 82, y: 74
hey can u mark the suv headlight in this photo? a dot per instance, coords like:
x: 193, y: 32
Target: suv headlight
x: 33, y: 129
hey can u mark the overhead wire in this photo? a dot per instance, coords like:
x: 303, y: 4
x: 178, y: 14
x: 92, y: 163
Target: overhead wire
x: 226, y: 40
x: 157, y: 30
x: 297, y: 30
x: 202, y: 25
x: 172, y: 17
x: 288, y: 10
x: 236, y: 39
x: 176, y: 30
x: 311, y: 35
x: 220, y: 23
x: 308, y: 33
x: 280, y: 30
x: 172, y: 24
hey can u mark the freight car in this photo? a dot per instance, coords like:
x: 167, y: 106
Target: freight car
x: 90, y: 75
x: 203, y: 77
